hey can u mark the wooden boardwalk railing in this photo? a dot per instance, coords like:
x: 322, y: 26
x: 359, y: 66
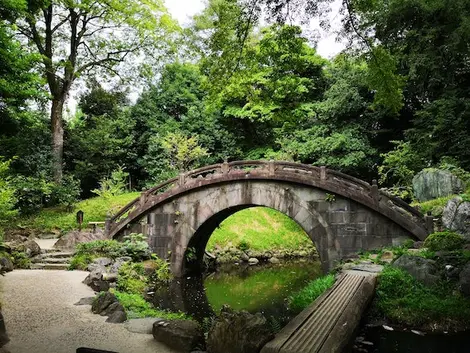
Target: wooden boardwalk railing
x: 329, y: 323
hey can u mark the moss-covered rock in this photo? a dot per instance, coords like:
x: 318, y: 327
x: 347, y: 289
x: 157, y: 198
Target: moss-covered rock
x: 433, y: 183
x: 446, y: 240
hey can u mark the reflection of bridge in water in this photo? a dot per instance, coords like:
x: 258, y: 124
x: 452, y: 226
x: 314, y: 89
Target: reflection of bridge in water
x: 341, y: 214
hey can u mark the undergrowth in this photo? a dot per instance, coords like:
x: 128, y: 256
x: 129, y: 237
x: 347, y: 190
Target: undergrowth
x: 132, y: 278
x: 404, y: 300
x: 137, y: 307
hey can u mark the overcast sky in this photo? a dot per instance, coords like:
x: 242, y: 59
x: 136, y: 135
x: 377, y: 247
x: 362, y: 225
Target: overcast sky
x: 182, y: 10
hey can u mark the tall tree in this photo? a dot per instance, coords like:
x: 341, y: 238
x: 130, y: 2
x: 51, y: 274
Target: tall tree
x: 99, y: 138
x: 18, y: 82
x: 77, y: 37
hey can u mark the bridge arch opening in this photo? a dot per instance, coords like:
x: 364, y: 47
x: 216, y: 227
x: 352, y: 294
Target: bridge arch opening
x: 218, y: 231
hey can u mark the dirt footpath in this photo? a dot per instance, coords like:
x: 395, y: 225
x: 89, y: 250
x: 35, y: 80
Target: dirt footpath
x: 40, y: 316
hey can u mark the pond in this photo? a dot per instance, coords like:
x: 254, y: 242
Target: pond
x: 262, y: 289
x: 384, y: 341
x: 266, y: 289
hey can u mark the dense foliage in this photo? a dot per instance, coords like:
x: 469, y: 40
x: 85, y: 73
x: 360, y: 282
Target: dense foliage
x: 406, y: 301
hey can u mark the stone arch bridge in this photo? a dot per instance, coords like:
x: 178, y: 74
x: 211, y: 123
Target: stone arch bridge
x: 341, y: 214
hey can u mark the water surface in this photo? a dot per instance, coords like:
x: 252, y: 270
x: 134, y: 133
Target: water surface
x: 262, y: 289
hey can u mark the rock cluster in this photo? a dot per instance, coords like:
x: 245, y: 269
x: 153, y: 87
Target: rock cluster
x: 254, y: 257
x: 181, y: 335
x: 423, y: 270
x: 18, y: 244
x: 238, y: 332
x: 427, y: 271
x: 103, y: 272
x: 106, y: 304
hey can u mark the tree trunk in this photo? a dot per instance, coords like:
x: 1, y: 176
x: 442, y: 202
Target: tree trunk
x: 57, y: 137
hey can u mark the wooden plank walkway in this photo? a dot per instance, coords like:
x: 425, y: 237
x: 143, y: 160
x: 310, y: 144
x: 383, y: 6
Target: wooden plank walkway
x: 328, y: 324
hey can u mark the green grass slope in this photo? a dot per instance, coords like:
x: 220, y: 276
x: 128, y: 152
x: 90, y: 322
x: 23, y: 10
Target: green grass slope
x: 94, y: 209
x: 260, y: 228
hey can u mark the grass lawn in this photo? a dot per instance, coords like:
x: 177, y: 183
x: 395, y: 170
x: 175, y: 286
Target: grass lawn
x: 261, y: 228
x: 95, y: 210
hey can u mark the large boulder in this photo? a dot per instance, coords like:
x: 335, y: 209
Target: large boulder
x: 95, y: 280
x: 464, y: 280
x: 117, y: 317
x: 3, y: 332
x: 456, y: 216
x: 30, y: 247
x: 106, y: 304
x: 423, y: 270
x: 71, y: 239
x: 181, y: 335
x: 238, y: 332
x: 6, y: 265
x: 102, y: 302
x: 433, y: 183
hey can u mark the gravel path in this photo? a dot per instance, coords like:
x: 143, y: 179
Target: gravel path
x: 40, y: 316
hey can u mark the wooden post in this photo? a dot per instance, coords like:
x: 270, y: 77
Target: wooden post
x: 143, y: 199
x: 107, y: 225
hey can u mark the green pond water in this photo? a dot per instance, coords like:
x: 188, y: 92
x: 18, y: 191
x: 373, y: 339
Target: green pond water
x: 262, y: 289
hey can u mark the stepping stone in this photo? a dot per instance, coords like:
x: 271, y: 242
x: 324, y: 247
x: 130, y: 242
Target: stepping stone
x: 143, y: 326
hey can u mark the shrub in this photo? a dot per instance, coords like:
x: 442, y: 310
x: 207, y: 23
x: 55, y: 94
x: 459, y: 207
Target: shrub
x: 243, y: 245
x: 404, y: 300
x: 136, y: 246
x: 446, y: 240
x: 7, y: 194
x: 81, y: 261
x: 399, y: 165
x: 114, y: 185
x: 31, y: 194
x: 132, y: 278
x: 21, y: 260
x: 312, y: 291
x: 86, y: 252
x: 66, y: 193
x: 136, y: 307
x: 108, y: 248
x: 162, y: 270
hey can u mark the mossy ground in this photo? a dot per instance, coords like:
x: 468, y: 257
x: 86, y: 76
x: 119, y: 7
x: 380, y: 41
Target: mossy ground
x: 137, y: 307
x: 405, y: 301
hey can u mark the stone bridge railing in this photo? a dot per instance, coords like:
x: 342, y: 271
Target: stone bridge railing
x: 321, y: 177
